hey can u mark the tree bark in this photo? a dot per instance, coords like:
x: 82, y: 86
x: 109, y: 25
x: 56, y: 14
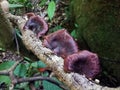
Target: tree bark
x: 6, y: 31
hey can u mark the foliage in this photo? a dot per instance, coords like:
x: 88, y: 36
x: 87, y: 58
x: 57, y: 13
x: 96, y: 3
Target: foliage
x: 16, y: 1
x: 21, y: 70
x: 20, y: 3
x: 27, y: 4
x: 5, y: 79
x: 2, y: 49
x: 6, y: 65
x: 3, y: 66
x: 26, y: 69
x: 74, y: 32
x: 16, y: 5
x: 50, y: 86
x: 42, y: 3
x: 55, y: 28
x: 38, y: 64
x: 51, y: 9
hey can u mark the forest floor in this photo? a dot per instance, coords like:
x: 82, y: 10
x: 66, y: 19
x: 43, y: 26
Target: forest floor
x: 59, y: 20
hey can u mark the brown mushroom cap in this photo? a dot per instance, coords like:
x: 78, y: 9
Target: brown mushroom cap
x: 61, y: 43
x: 83, y: 62
x: 37, y: 24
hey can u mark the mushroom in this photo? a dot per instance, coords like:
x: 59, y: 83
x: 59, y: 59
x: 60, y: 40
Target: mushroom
x: 37, y: 24
x: 83, y: 62
x: 61, y: 43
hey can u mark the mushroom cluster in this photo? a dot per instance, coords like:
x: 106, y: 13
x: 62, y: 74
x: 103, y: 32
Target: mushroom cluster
x: 82, y: 62
x: 63, y: 45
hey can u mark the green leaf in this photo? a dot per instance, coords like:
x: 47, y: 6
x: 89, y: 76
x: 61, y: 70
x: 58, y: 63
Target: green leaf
x: 2, y: 49
x: 38, y: 64
x: 41, y: 64
x: 34, y: 65
x: 55, y: 28
x: 22, y: 86
x: 27, y: 59
x: 5, y: 79
x: 22, y: 1
x: 73, y: 34
x: 16, y: 6
x: 20, y: 70
x: 3, y: 66
x: 50, y: 86
x: 51, y: 9
x: 76, y: 25
x: 46, y: 74
x: 18, y: 33
x: 42, y: 3
x: 37, y: 84
x: 6, y: 65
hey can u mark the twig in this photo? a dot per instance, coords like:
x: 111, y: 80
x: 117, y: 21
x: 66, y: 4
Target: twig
x: 16, y: 41
x: 30, y: 79
x: 4, y: 72
x: 31, y: 85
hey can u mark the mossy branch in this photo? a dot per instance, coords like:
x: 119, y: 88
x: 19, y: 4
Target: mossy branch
x: 6, y: 31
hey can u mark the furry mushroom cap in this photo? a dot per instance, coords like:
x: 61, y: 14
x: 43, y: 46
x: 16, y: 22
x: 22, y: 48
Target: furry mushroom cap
x: 83, y: 62
x: 37, y: 24
x: 61, y: 43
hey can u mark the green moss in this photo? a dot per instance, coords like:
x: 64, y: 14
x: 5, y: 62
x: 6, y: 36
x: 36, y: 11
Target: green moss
x: 99, y: 24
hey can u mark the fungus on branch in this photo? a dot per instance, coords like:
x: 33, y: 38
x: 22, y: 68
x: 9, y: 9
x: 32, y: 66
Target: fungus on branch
x: 37, y: 24
x: 61, y: 43
x: 83, y: 62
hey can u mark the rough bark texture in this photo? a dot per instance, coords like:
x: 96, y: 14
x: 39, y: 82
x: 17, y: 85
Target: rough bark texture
x: 6, y: 31
x: 72, y: 80
x: 99, y: 26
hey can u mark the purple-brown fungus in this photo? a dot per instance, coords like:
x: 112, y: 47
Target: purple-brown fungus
x: 61, y: 43
x: 37, y: 24
x: 83, y: 62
